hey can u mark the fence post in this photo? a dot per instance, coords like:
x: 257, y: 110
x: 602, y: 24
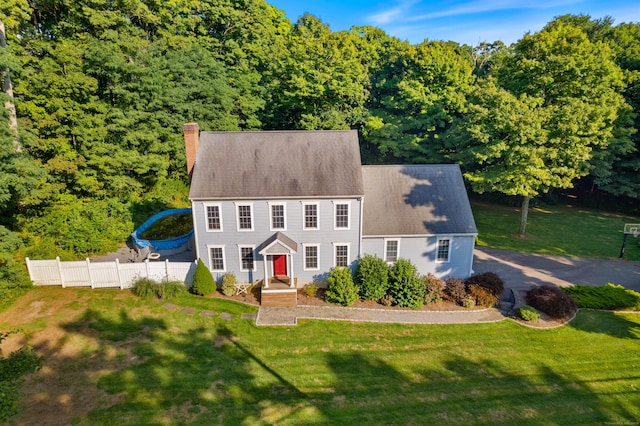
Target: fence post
x: 89, y: 272
x: 166, y: 270
x: 119, y: 275
x: 60, y: 271
x: 26, y: 260
x: 146, y: 267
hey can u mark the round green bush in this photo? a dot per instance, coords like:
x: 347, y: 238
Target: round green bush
x: 340, y: 287
x: 528, y: 313
x: 372, y: 277
x: 203, y: 283
x: 405, y: 286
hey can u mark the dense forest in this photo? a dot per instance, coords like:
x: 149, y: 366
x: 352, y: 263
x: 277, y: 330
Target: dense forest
x: 101, y: 89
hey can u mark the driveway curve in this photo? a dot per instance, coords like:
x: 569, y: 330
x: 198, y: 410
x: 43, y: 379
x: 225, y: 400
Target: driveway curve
x: 528, y: 269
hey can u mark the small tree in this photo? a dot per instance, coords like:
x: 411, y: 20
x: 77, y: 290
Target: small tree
x: 340, y: 287
x: 203, y: 283
x: 372, y: 276
x: 405, y: 286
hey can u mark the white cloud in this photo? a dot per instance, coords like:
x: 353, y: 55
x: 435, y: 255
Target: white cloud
x: 389, y: 15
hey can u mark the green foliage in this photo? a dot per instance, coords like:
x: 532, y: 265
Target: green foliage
x: 528, y: 313
x: 203, y: 283
x: 405, y: 286
x: 469, y: 302
x: 12, y: 369
x: 148, y: 288
x: 433, y: 289
x: 455, y: 291
x: 340, y: 287
x: 229, y: 282
x: 310, y: 289
x: 552, y: 301
x: 608, y: 296
x: 372, y: 275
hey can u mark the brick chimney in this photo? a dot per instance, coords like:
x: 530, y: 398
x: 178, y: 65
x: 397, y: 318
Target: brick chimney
x: 191, y: 136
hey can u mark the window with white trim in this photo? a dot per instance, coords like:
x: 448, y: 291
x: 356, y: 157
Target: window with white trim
x: 341, y: 216
x: 311, y: 257
x: 443, y: 250
x: 245, y: 217
x: 216, y: 257
x: 246, y: 258
x: 277, y: 214
x: 341, y: 255
x: 391, y: 250
x: 214, y: 220
x: 310, y: 216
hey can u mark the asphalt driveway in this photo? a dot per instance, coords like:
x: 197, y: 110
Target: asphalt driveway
x: 526, y: 269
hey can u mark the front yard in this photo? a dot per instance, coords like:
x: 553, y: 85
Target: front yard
x: 111, y: 358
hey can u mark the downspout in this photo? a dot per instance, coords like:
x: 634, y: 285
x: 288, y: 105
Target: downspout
x: 361, y: 199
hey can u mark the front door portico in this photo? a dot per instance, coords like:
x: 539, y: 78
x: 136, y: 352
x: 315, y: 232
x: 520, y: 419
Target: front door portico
x: 278, y: 250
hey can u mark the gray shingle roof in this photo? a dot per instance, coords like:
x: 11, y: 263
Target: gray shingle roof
x: 415, y: 200
x: 277, y: 164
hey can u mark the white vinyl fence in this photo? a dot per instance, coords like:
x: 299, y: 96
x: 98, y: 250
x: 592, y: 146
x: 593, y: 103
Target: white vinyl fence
x: 106, y: 274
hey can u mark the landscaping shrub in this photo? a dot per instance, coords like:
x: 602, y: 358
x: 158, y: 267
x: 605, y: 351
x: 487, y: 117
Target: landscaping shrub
x: 455, y: 290
x: 552, y: 301
x: 372, y: 276
x: 608, y: 296
x: 433, y: 289
x: 482, y: 296
x: 386, y: 300
x: 203, y: 283
x: 528, y: 313
x: 468, y: 302
x: 229, y: 282
x: 310, y: 289
x: 340, y: 287
x: 489, y: 281
x: 144, y: 287
x: 405, y: 286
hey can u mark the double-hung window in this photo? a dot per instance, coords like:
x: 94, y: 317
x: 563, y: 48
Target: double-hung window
x: 443, y: 250
x: 213, y: 217
x: 245, y: 217
x: 341, y: 216
x: 277, y: 215
x: 391, y: 249
x: 246, y: 258
x: 310, y: 216
x: 341, y: 255
x: 311, y: 257
x: 216, y: 257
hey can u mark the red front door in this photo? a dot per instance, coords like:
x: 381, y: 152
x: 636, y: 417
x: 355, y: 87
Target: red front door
x: 280, y: 264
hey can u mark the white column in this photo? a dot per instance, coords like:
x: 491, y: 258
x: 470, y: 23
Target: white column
x: 266, y: 277
x: 292, y: 284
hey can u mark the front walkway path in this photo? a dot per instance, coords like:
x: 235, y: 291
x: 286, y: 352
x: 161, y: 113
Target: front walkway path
x: 289, y: 315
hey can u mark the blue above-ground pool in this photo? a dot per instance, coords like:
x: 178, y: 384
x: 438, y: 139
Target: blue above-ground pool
x: 168, y: 244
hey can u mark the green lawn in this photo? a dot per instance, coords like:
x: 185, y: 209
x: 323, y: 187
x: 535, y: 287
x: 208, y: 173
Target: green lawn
x: 562, y: 230
x: 160, y: 366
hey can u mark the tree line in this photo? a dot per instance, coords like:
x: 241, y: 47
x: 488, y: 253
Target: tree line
x: 101, y: 89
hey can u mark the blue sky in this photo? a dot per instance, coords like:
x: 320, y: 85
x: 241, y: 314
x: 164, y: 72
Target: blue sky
x: 459, y: 20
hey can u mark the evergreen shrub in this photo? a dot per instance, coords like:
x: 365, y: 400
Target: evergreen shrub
x: 405, y: 286
x: 229, y: 282
x: 371, y: 278
x: 310, y: 289
x: 203, y: 282
x: 609, y: 296
x: 340, y: 287
x: 552, y: 301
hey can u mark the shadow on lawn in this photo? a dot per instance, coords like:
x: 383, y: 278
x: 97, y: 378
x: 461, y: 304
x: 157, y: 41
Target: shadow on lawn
x: 464, y: 392
x: 156, y: 371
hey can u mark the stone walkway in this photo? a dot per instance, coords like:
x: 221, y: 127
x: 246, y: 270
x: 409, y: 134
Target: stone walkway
x: 290, y: 315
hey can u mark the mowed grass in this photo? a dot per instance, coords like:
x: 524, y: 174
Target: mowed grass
x: 561, y: 230
x: 153, y: 365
